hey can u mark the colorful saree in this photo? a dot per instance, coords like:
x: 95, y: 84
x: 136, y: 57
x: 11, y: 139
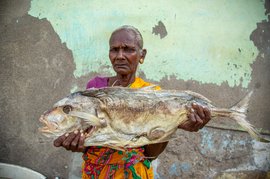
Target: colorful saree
x: 103, y: 163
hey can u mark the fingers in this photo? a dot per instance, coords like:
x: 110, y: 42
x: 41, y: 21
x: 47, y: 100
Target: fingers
x: 67, y: 143
x: 190, y: 124
x: 74, y: 143
x: 207, y: 113
x: 58, y: 142
x: 199, y: 123
x: 195, y: 117
x: 191, y: 115
x: 198, y: 116
x: 71, y: 141
x: 81, y: 142
x: 199, y: 110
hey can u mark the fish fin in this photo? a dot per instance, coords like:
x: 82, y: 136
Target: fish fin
x: 156, y: 133
x: 239, y: 114
x: 151, y: 87
x: 240, y: 119
x: 93, y: 92
x: 167, y: 136
x: 242, y: 105
x: 88, y: 118
x: 198, y: 96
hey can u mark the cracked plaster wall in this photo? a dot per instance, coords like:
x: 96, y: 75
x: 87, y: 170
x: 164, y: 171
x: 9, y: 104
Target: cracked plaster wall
x: 220, y: 49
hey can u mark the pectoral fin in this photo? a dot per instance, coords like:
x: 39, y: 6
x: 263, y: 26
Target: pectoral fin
x: 156, y: 133
x: 88, y: 118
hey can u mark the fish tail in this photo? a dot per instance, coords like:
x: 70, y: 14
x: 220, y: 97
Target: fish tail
x: 240, y: 118
x: 242, y: 106
x: 239, y: 113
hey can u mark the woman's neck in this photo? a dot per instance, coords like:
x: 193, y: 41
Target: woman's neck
x: 122, y: 80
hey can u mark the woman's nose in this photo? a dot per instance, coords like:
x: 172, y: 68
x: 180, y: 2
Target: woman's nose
x: 120, y: 54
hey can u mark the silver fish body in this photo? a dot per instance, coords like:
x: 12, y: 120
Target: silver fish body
x: 126, y: 118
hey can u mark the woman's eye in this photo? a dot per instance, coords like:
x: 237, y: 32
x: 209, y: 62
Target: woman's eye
x: 129, y: 50
x: 113, y: 50
x: 67, y: 109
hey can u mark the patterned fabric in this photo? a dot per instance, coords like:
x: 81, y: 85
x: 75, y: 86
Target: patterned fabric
x: 103, y: 162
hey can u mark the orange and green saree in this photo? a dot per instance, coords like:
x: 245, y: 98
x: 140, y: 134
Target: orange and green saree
x: 102, y: 162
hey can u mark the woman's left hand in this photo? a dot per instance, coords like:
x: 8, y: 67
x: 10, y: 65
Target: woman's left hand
x: 198, y: 117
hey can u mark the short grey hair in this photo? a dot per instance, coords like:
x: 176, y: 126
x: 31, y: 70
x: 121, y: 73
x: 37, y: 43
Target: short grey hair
x: 135, y: 31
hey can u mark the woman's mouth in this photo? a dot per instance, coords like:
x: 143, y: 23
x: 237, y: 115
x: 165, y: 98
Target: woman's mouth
x: 120, y: 66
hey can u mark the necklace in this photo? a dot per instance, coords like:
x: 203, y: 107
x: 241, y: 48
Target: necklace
x: 115, y: 82
x: 120, y: 85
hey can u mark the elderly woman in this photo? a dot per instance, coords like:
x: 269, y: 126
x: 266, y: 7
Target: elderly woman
x: 126, y: 52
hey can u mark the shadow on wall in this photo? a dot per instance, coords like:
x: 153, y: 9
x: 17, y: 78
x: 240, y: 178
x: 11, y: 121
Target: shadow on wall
x: 36, y: 70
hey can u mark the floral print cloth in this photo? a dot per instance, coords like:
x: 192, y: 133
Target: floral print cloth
x: 103, y: 162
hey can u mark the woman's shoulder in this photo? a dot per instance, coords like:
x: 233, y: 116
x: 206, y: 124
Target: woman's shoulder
x: 97, y: 82
x: 140, y: 83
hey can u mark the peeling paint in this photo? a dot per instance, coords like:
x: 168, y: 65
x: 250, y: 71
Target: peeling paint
x: 185, y: 166
x: 207, y: 142
x: 74, y: 89
x: 173, y: 171
x: 204, y: 36
x: 223, y: 147
x: 160, y: 30
x: 261, y: 155
x: 176, y: 169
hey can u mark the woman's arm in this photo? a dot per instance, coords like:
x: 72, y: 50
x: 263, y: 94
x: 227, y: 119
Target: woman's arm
x: 154, y: 150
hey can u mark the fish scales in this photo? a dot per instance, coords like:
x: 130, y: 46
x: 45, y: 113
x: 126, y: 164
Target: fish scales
x: 140, y: 107
x: 126, y: 118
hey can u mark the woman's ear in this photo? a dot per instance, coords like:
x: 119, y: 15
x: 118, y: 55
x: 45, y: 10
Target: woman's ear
x: 143, y: 54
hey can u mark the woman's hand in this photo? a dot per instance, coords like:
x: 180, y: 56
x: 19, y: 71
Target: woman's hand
x: 198, y: 117
x: 73, y: 141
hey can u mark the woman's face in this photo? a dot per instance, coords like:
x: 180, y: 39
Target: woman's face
x: 124, y: 52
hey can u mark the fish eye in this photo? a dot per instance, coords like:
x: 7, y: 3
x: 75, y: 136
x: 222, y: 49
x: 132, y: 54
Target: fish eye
x: 67, y: 109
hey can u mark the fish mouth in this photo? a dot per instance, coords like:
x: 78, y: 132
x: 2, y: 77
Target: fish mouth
x: 45, y: 122
x: 48, y: 126
x: 46, y: 131
x: 89, y: 131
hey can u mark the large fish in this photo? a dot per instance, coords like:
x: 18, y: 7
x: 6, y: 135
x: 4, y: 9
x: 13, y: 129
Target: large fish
x: 126, y: 118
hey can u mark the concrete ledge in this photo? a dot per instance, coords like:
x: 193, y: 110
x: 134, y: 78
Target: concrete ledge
x: 16, y: 172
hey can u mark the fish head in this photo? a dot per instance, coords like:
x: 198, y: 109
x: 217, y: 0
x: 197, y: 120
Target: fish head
x: 67, y: 116
x: 57, y: 121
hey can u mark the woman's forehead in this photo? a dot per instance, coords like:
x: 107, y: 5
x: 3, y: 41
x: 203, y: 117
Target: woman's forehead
x: 123, y: 37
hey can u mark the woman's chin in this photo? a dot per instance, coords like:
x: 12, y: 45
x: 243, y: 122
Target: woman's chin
x: 122, y: 71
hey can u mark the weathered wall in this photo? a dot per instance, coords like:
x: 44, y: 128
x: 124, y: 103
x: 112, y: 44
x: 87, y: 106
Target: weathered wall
x: 220, y: 49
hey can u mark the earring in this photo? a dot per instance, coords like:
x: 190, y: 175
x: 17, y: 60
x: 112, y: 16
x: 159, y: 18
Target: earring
x: 141, y: 61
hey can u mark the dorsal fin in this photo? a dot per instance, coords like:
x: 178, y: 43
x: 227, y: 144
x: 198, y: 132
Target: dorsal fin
x: 198, y: 96
x: 151, y: 87
x: 93, y: 92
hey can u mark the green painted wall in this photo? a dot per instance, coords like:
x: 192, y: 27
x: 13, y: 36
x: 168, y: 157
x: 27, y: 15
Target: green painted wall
x: 207, y: 41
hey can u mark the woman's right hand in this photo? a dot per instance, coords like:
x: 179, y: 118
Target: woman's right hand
x: 73, y: 141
